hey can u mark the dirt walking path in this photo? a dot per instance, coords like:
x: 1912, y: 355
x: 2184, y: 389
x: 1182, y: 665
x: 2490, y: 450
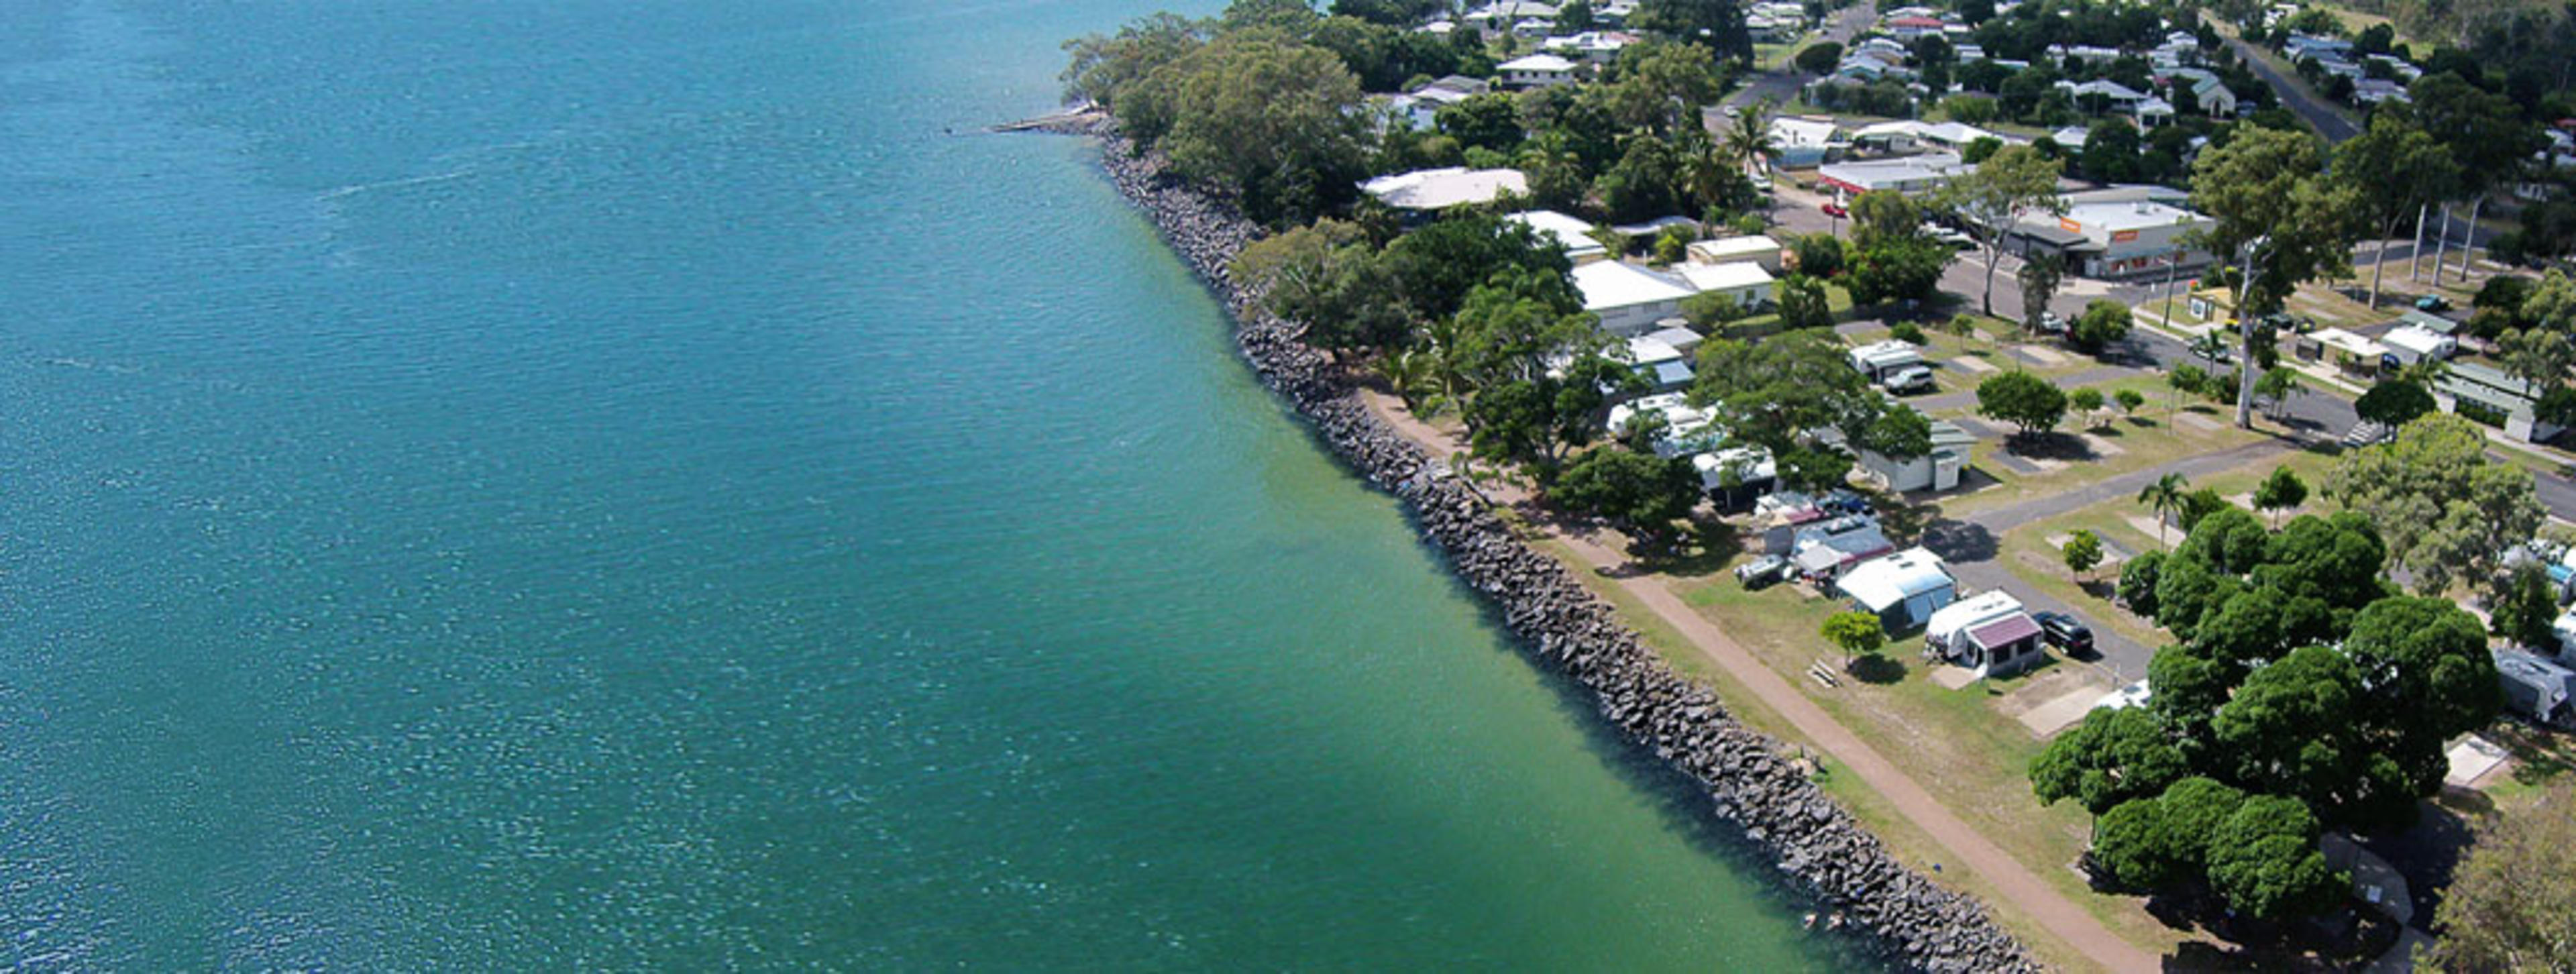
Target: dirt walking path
x: 2028, y: 893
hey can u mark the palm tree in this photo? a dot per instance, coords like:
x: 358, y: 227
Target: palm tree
x: 1409, y: 374
x: 1706, y: 169
x: 2166, y: 496
x: 1749, y: 139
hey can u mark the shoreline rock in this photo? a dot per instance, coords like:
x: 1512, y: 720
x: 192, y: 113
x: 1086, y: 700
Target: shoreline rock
x: 1812, y: 841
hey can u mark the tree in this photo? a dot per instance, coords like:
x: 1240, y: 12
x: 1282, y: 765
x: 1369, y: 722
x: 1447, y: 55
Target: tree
x: 1660, y: 86
x: 1884, y: 214
x: 2428, y: 673
x: 1897, y: 268
x: 1820, y: 255
x: 1803, y: 303
x: 1326, y: 277
x: 2102, y: 323
x: 2276, y: 386
x: 2137, y: 588
x: 1716, y: 23
x: 2264, y: 185
x: 2022, y: 399
x: 1900, y: 433
x: 2524, y: 606
x: 2111, y: 757
x: 2541, y: 356
x: 1643, y: 491
x: 2265, y: 862
x: 2393, y: 403
x: 2110, y: 153
x: 2165, y: 496
x: 1575, y: 17
x: 1273, y: 124
x: 2395, y: 169
x: 1771, y: 392
x: 2039, y: 277
x: 1645, y: 183
x: 2083, y: 550
x: 1748, y: 138
x: 2445, y: 511
x: 2015, y: 181
x: 2129, y: 400
x: 2279, y: 492
x: 2484, y: 131
x: 1820, y: 57
x: 2087, y: 401
x: 1490, y: 121
x: 1858, y: 633
x: 2512, y: 901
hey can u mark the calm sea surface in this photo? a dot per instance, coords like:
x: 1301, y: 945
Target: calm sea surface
x: 610, y: 483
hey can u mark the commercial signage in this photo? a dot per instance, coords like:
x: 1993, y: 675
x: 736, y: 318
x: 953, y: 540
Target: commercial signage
x: 2124, y: 236
x: 2069, y: 226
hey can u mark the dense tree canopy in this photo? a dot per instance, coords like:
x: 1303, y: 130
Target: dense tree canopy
x: 2511, y: 905
x: 2445, y: 510
x: 2022, y: 399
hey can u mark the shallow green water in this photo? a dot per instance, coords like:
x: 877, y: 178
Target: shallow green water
x: 499, y: 485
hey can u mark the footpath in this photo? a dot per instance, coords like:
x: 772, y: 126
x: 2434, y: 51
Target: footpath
x: 2007, y: 877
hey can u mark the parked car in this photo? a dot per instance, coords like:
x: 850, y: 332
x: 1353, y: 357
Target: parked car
x: 1836, y: 209
x: 1912, y: 378
x: 1763, y: 571
x: 2133, y: 695
x: 2062, y: 631
x: 2051, y: 324
x: 2432, y: 303
x: 1843, y: 501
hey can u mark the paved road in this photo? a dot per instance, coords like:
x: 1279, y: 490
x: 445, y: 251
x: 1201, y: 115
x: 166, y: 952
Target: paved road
x: 1970, y: 544
x: 2319, y: 115
x: 1780, y: 86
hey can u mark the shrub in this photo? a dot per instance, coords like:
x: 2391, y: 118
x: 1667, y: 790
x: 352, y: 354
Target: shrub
x: 1909, y: 333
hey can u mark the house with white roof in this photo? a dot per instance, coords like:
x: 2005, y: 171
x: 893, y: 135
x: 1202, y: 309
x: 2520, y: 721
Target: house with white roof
x: 1569, y: 232
x: 1424, y: 190
x: 1536, y: 71
x: 2409, y: 344
x: 1501, y: 15
x: 1902, y: 589
x: 1597, y: 47
x: 1630, y: 300
x: 2373, y: 91
x: 1803, y: 143
x: 2089, y: 54
x: 1758, y: 249
x: 1919, y: 174
x: 2103, y: 95
x: 1420, y: 107
x: 1743, y: 282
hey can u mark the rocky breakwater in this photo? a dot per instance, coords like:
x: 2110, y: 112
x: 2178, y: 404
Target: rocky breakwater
x: 1812, y: 840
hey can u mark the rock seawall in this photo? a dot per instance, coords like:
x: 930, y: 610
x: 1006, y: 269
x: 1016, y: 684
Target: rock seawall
x: 1810, y: 838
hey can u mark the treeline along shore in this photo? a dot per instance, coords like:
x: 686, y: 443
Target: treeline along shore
x: 1813, y: 842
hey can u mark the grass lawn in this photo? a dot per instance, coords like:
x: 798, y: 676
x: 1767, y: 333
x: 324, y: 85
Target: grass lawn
x: 2144, y: 440
x: 1962, y: 745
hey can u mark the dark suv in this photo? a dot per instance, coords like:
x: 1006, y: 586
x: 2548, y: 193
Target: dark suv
x: 2062, y: 631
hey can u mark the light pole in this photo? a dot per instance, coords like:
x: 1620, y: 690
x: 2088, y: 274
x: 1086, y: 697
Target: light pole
x: 2245, y: 329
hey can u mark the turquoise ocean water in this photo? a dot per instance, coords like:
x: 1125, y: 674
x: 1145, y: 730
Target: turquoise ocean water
x: 610, y: 483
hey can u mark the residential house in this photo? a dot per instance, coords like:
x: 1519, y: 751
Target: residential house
x: 1594, y: 46
x: 1902, y: 589
x: 1536, y: 71
x: 2374, y: 91
x: 1502, y: 15
x: 2104, y: 96
x: 1421, y: 106
x: 1758, y: 249
x: 1988, y: 633
x: 1426, y: 190
x: 1916, y: 175
x: 1804, y: 143
x: 2087, y: 53
x: 1909, y: 28
x: 1743, y: 282
x: 1569, y: 232
x: 1629, y: 299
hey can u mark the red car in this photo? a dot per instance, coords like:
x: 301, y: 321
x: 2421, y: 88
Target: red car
x: 1836, y: 209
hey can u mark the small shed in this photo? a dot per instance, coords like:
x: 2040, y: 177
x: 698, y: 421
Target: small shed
x: 2501, y: 400
x: 1953, y: 449
x: 2350, y: 354
x: 1902, y: 589
x: 2537, y: 688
